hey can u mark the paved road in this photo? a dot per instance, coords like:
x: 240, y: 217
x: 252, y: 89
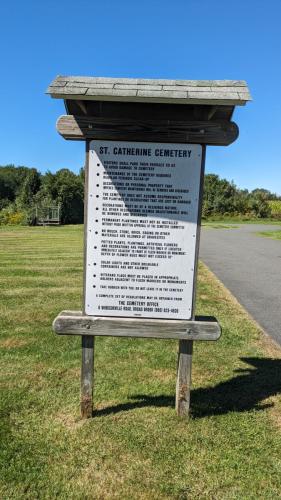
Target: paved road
x: 250, y: 267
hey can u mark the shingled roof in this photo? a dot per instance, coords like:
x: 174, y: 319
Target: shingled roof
x: 214, y: 92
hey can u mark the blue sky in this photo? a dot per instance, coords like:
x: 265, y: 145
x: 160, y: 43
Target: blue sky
x: 184, y: 39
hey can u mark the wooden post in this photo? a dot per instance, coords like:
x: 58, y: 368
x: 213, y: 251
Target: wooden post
x: 184, y: 377
x: 88, y: 342
x: 87, y: 370
x: 184, y: 368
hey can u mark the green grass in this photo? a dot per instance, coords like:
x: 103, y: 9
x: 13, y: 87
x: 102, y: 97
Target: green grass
x: 240, y: 220
x: 218, y: 225
x: 135, y: 447
x: 275, y: 235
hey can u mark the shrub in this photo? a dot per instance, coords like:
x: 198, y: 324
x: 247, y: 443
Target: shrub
x: 10, y: 217
x: 275, y: 207
x: 16, y: 218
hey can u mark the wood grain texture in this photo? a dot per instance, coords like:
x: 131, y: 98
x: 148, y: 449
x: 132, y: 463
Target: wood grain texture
x: 88, y: 342
x: 221, y: 133
x: 183, y: 386
x: 184, y: 368
x: 87, y: 370
x: 147, y: 81
x: 140, y: 112
x: 72, y: 323
x: 151, y: 90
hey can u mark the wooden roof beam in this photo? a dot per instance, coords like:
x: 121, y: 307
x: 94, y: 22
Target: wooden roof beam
x: 219, y: 133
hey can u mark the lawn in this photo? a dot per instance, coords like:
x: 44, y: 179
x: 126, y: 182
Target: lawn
x: 275, y: 235
x: 218, y: 225
x: 239, y: 220
x: 135, y: 447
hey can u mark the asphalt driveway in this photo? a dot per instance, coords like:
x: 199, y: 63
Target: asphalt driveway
x: 250, y: 267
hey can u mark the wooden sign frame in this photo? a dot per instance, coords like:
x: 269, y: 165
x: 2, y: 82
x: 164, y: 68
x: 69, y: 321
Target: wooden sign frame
x: 198, y: 328
x: 145, y: 110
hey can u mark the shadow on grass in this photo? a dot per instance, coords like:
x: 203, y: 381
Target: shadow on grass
x: 246, y: 391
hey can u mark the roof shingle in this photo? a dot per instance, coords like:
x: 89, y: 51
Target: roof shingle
x: 232, y: 92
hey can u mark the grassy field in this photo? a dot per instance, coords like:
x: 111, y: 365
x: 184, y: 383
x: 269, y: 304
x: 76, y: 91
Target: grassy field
x: 239, y: 220
x: 275, y: 235
x: 218, y: 225
x: 135, y: 447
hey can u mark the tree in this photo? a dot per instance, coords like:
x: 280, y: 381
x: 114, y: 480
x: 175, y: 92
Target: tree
x: 222, y: 197
x: 30, y: 187
x: 259, y: 204
x: 11, y: 181
x: 218, y: 195
x: 67, y: 189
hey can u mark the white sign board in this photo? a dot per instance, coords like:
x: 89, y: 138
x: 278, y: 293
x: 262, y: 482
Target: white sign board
x: 142, y: 212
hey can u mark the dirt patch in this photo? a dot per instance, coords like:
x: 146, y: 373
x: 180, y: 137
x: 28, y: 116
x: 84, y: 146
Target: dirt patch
x: 164, y: 375
x: 69, y: 421
x: 276, y: 416
x: 12, y: 343
x: 110, y: 477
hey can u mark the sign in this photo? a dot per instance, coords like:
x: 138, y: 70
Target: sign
x: 142, y: 212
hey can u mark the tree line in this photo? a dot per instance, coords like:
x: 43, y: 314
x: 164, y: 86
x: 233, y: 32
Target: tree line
x: 24, y: 189
x: 224, y: 198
